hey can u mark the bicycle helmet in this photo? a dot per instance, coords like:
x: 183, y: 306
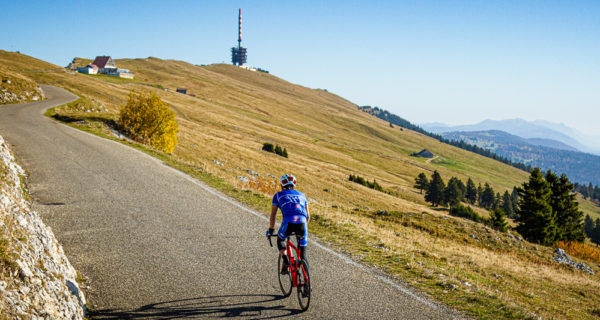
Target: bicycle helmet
x: 287, y: 180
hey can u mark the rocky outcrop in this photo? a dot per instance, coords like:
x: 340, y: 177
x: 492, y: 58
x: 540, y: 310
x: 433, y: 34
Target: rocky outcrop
x: 562, y: 257
x: 16, y: 90
x: 36, y: 279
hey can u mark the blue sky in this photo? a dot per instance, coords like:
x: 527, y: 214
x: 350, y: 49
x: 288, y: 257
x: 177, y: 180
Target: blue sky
x: 455, y: 62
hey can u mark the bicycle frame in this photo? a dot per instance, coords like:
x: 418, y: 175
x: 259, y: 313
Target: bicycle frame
x: 293, y: 268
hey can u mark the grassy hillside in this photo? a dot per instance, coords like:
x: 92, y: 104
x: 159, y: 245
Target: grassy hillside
x: 234, y: 111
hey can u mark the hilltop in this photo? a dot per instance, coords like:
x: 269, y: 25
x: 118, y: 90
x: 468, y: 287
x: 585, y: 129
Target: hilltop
x: 228, y: 114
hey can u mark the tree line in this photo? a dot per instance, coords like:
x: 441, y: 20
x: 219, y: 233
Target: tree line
x: 545, y: 207
x: 399, y: 121
x: 589, y: 192
x: 456, y: 192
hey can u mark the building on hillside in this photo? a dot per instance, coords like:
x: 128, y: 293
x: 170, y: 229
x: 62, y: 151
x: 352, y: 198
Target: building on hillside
x: 89, y: 69
x: 116, y: 72
x: 423, y: 154
x: 104, y: 62
x: 182, y: 90
x: 105, y: 65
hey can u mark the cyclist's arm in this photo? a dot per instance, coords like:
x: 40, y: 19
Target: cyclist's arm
x: 307, y: 214
x: 273, y: 214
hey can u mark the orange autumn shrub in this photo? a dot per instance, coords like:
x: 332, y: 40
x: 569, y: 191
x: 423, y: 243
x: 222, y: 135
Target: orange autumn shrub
x: 580, y: 250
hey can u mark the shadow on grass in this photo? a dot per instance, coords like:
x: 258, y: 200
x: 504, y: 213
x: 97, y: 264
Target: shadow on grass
x: 66, y: 119
x: 226, y: 306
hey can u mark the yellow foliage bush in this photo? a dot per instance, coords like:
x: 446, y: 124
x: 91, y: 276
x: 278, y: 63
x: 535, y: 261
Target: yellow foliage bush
x: 147, y: 119
x: 580, y: 250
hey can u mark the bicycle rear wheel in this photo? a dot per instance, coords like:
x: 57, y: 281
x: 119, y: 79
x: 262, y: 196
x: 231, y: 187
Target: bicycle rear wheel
x: 304, y: 287
x: 285, y: 280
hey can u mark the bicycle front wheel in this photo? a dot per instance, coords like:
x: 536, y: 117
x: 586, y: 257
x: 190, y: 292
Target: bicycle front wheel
x: 304, y: 287
x: 285, y: 280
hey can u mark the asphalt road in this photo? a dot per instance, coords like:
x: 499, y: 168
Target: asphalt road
x: 155, y: 243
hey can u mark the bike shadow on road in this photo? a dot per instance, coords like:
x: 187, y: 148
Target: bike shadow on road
x: 226, y: 306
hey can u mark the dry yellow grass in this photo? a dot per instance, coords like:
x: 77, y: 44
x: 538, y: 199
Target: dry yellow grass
x: 235, y: 111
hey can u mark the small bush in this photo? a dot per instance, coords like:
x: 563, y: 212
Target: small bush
x: 366, y: 183
x: 459, y: 210
x: 580, y: 250
x: 268, y: 147
x: 275, y: 149
x: 147, y: 119
x: 278, y: 150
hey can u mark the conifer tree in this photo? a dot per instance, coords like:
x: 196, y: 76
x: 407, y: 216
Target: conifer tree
x: 537, y: 222
x: 515, y: 200
x: 421, y: 182
x: 453, y: 192
x: 487, y: 197
x: 435, y: 189
x: 507, y: 205
x: 596, y: 232
x: 569, y: 219
x: 588, y: 225
x: 278, y: 150
x: 284, y: 153
x: 471, y: 192
x: 479, y: 194
x: 498, y: 220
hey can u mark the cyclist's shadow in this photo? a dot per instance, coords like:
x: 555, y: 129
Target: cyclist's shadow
x: 251, y: 306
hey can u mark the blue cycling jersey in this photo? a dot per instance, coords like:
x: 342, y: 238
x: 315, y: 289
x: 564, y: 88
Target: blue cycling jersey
x: 292, y: 204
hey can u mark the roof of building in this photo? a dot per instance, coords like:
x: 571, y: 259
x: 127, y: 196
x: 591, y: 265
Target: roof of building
x: 101, y: 61
x: 424, y: 153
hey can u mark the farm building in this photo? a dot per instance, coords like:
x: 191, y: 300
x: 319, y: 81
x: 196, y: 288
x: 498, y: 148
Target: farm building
x: 423, y: 154
x: 89, y: 69
x: 105, y: 65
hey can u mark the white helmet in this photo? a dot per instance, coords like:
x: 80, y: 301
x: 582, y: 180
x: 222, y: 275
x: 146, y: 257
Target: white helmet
x: 287, y: 179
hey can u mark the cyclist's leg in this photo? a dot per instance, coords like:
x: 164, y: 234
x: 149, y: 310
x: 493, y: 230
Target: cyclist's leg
x: 283, y: 234
x: 302, y: 238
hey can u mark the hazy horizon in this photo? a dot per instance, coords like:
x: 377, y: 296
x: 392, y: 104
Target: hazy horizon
x: 453, y: 62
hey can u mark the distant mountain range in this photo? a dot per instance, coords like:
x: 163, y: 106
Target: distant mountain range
x: 536, y: 152
x: 541, y: 130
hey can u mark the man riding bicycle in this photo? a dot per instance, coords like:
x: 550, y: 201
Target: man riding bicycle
x: 296, y: 216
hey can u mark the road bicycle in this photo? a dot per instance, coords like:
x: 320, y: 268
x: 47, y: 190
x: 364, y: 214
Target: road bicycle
x: 298, y: 275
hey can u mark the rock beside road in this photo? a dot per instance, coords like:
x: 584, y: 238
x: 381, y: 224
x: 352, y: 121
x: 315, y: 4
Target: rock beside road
x: 15, y: 89
x: 36, y: 279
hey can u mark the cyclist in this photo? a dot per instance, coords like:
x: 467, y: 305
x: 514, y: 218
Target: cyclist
x: 296, y: 216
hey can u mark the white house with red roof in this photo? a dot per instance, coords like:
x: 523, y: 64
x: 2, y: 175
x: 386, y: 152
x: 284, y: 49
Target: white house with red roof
x: 105, y: 65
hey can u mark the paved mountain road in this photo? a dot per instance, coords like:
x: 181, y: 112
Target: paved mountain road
x: 155, y: 243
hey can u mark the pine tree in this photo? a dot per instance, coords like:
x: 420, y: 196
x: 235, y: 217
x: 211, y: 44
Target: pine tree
x: 435, y: 189
x: 421, y: 182
x: 497, y: 201
x: 284, y: 153
x: 515, y: 201
x: 536, y: 219
x: 588, y: 225
x: 278, y: 150
x: 479, y: 194
x: 596, y: 232
x: 471, y: 192
x: 498, y: 220
x: 507, y: 205
x: 487, y: 197
x: 569, y: 219
x: 453, y: 192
